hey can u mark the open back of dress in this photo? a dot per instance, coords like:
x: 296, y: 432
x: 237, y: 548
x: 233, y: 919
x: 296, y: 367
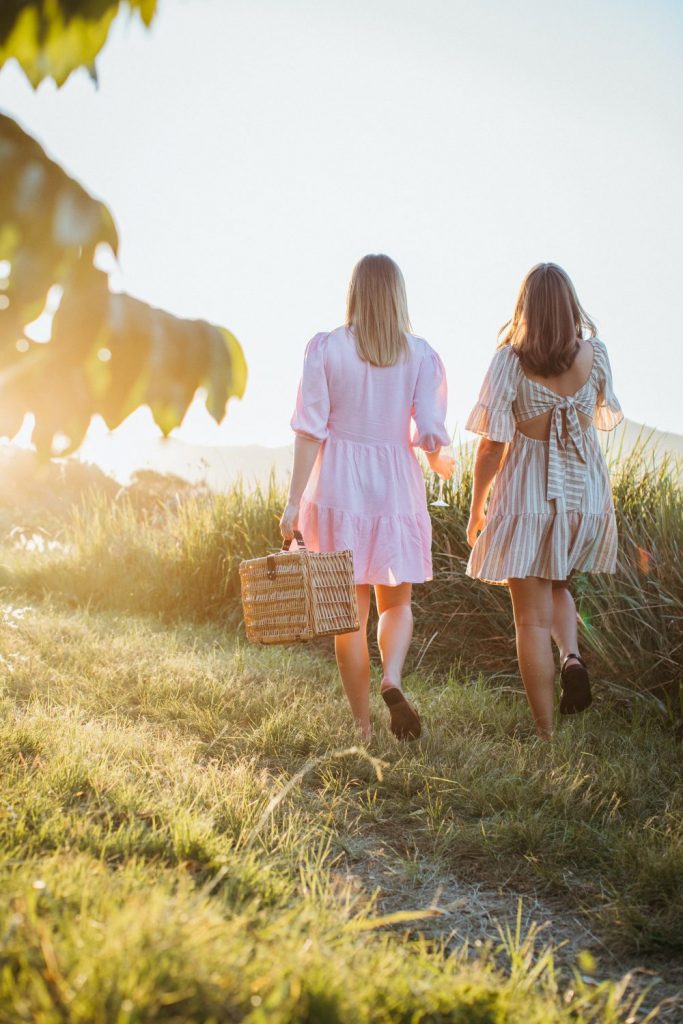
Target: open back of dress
x: 551, y: 510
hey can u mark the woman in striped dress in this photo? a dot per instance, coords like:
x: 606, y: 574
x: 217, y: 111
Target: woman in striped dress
x: 551, y: 512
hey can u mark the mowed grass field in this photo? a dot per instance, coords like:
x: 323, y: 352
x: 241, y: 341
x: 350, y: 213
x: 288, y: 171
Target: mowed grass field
x: 189, y: 830
x: 186, y: 826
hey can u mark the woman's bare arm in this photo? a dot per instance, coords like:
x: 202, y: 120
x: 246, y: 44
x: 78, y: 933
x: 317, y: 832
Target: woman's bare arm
x: 305, y: 453
x: 487, y: 460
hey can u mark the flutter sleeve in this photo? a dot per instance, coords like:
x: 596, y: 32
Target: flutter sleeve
x: 492, y: 416
x: 430, y: 402
x: 608, y: 412
x: 312, y: 410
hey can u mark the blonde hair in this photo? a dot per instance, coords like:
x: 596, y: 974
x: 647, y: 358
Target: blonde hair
x: 548, y: 321
x: 377, y: 310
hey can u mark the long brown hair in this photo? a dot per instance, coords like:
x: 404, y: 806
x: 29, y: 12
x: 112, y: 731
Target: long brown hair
x: 377, y: 310
x: 548, y: 321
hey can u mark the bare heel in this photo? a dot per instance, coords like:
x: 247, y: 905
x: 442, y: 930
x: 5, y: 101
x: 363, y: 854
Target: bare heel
x: 405, y: 721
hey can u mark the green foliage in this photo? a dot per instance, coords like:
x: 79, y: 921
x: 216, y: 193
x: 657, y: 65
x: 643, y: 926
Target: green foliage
x: 109, y: 353
x: 137, y: 885
x: 181, y: 559
x: 51, y: 38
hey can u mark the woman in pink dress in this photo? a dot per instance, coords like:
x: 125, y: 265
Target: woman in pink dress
x: 356, y: 481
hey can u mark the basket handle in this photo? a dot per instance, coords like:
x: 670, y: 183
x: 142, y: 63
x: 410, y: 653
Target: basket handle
x: 286, y: 545
x: 298, y: 537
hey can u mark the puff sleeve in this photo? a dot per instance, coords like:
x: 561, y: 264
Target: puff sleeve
x: 608, y: 412
x: 312, y: 410
x: 430, y: 401
x: 492, y: 416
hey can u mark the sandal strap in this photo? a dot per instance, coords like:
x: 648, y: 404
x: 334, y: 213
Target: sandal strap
x: 576, y: 657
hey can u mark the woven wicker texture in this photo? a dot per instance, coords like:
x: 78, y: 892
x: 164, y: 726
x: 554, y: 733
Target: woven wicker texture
x: 294, y: 596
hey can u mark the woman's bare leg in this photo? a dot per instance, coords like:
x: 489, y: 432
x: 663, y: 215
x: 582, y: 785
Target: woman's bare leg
x: 532, y: 603
x: 353, y: 660
x: 565, y: 624
x: 394, y: 630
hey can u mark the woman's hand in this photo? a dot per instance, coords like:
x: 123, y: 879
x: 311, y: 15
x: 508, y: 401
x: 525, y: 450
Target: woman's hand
x: 289, y: 521
x: 441, y: 464
x: 475, y: 526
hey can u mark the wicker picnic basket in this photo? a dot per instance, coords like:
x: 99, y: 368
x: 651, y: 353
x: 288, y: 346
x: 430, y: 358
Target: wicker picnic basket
x: 294, y: 596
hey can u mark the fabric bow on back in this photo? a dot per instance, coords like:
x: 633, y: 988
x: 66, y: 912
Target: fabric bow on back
x: 566, y: 455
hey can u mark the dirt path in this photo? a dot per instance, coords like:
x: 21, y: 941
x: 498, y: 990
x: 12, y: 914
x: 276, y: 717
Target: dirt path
x: 474, y: 914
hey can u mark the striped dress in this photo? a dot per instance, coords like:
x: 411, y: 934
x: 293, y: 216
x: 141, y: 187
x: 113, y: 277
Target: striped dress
x: 551, y: 512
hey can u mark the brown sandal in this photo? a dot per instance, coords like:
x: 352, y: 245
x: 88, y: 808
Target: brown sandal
x: 576, y: 687
x: 405, y: 721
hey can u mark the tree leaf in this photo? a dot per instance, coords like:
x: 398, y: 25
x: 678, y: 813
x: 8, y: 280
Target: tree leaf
x: 49, y: 222
x: 52, y: 38
x: 108, y: 353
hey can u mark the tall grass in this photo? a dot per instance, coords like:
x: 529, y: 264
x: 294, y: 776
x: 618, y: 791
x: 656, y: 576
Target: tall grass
x: 631, y: 623
x: 175, y: 559
x: 179, y: 559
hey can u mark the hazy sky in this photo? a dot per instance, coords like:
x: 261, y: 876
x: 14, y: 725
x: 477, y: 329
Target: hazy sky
x: 252, y: 151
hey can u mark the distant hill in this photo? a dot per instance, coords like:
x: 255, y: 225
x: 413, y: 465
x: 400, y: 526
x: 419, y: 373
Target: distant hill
x: 219, y: 467
x: 629, y: 434
x: 215, y: 467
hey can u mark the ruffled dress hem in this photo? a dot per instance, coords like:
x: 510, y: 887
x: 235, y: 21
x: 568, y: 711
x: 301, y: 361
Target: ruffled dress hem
x: 387, y: 550
x: 550, y: 546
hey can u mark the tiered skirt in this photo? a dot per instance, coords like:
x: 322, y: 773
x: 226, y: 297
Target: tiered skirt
x: 527, y: 535
x: 370, y: 498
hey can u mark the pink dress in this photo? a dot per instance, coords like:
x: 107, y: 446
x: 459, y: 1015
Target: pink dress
x: 367, y: 491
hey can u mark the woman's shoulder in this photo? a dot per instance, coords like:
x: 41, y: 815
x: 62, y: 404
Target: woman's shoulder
x: 417, y: 343
x: 335, y: 337
x: 420, y: 347
x: 339, y: 333
x: 506, y: 353
x: 600, y: 356
x: 599, y: 346
x: 505, y: 362
x: 320, y: 341
x: 504, y: 373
